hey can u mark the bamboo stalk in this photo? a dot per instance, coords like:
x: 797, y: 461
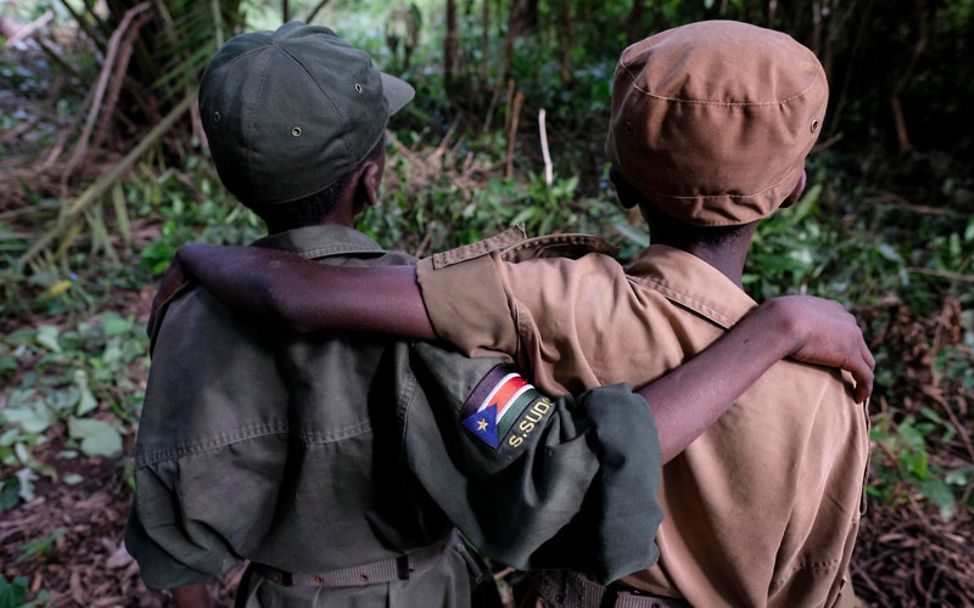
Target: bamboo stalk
x: 106, y: 181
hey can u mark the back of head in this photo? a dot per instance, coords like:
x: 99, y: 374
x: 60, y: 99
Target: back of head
x: 711, y: 122
x: 289, y: 113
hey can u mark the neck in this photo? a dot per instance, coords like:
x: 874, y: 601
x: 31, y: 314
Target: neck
x: 728, y: 255
x: 728, y: 260
x: 338, y: 217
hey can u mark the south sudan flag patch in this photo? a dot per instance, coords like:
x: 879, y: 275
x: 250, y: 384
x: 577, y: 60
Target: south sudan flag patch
x: 495, y: 405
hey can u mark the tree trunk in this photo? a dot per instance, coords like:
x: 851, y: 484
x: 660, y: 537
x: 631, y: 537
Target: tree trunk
x: 450, y: 43
x: 564, y: 8
x: 485, y: 42
x: 522, y: 19
x: 636, y: 17
x: 659, y: 19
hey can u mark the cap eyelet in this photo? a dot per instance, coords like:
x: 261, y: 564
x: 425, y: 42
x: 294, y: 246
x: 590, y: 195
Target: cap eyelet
x: 217, y: 117
x: 296, y: 131
x: 358, y: 88
x: 627, y: 128
x: 814, y: 125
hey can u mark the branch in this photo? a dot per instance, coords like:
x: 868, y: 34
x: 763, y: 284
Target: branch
x: 103, y: 183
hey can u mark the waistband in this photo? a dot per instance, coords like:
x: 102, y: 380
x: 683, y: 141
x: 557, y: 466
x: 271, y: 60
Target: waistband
x: 569, y: 590
x: 399, y: 568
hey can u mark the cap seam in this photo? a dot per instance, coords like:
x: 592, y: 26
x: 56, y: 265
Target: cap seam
x: 698, y: 196
x: 323, y: 92
x: 252, y: 152
x: 793, y: 97
x: 244, y: 54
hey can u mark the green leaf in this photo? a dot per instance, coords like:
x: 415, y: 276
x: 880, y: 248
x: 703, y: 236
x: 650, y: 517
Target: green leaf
x: 959, y: 477
x: 34, y: 418
x: 7, y: 365
x: 939, y: 493
x: 98, y: 438
x: 87, y: 402
x: 26, y: 478
x: 73, y: 479
x: 115, y: 324
x: 9, y: 437
x: 13, y: 593
x: 47, y: 336
x: 888, y: 252
x: 9, y: 494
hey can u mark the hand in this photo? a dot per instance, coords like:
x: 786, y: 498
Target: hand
x: 174, y: 280
x: 193, y: 596
x: 824, y: 333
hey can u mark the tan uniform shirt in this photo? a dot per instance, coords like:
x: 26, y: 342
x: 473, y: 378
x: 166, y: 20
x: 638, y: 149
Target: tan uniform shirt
x: 762, y: 509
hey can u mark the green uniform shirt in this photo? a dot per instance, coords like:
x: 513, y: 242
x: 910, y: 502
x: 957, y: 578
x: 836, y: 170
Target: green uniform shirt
x: 314, y: 453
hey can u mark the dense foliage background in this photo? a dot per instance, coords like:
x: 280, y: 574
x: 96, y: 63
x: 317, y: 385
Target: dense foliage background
x: 104, y: 174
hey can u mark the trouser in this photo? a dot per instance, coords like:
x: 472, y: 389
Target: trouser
x: 560, y: 589
x: 443, y: 575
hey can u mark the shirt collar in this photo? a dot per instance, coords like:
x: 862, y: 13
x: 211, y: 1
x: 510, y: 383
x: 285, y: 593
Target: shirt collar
x: 321, y: 241
x: 689, y: 281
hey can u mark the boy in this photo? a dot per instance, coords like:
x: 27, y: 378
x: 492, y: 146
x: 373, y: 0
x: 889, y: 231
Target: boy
x: 710, y: 127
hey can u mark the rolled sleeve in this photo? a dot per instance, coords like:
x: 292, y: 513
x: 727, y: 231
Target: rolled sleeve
x: 554, y: 317
x: 578, y: 491
x: 469, y: 306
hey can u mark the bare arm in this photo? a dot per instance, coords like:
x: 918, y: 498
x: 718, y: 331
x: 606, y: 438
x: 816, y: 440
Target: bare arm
x: 305, y: 295
x: 685, y: 402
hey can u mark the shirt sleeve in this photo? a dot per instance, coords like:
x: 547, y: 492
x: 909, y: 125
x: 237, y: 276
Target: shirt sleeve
x: 538, y: 312
x: 536, y: 483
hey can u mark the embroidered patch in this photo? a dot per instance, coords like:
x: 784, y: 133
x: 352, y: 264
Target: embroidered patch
x: 496, y: 403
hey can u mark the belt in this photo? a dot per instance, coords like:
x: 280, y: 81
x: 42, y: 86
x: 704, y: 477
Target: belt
x: 569, y: 590
x: 399, y: 568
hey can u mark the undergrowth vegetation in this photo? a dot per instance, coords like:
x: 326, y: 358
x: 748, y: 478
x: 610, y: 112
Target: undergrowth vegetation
x: 891, y: 236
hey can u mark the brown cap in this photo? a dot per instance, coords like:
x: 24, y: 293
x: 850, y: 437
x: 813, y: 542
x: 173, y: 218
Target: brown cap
x: 712, y: 121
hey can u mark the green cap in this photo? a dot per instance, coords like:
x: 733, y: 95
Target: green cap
x: 287, y: 113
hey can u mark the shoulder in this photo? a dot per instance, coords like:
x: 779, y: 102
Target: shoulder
x: 514, y: 246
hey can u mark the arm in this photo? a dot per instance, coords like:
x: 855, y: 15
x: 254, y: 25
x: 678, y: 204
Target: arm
x: 686, y: 401
x: 305, y: 295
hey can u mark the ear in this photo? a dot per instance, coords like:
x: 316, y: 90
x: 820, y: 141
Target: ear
x: 624, y: 192
x: 367, y: 192
x: 797, y: 192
